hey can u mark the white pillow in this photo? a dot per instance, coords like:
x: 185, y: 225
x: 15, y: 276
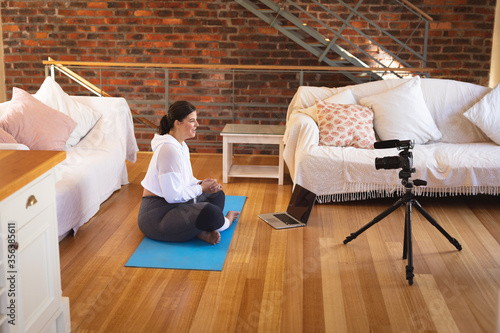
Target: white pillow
x: 401, y: 114
x: 51, y: 94
x: 343, y: 97
x: 485, y: 114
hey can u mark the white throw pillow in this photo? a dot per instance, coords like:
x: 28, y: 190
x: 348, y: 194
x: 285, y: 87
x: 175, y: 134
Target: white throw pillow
x: 343, y: 97
x: 51, y: 94
x: 485, y: 114
x: 401, y: 114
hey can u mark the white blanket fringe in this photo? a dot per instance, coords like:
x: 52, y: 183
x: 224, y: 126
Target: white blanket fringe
x: 373, y: 191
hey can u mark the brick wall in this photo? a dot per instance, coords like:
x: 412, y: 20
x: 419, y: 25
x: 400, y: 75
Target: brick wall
x: 217, y: 32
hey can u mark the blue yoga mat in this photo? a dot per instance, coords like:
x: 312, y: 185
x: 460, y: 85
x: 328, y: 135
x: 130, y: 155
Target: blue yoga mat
x: 194, y: 254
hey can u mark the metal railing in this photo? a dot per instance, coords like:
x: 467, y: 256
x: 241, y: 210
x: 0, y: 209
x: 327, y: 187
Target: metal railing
x: 221, y: 93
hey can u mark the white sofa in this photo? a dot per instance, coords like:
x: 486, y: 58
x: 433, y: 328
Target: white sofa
x: 461, y: 160
x: 95, y: 167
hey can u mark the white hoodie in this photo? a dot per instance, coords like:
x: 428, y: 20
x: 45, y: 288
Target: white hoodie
x: 169, y: 173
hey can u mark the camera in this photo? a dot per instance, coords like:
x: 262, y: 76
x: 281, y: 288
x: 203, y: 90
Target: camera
x: 404, y: 160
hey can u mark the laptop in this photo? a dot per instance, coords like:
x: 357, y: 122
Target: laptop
x: 298, y: 211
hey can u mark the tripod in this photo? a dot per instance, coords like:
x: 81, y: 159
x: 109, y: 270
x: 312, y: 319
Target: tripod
x: 409, y: 200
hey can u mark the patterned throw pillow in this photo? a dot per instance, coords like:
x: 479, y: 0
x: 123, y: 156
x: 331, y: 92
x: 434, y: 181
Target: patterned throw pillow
x: 345, y: 125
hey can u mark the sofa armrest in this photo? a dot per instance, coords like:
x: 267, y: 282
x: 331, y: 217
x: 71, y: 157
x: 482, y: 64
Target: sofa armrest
x: 301, y: 129
x: 302, y: 132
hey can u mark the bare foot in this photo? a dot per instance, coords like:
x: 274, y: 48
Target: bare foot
x: 232, y: 215
x: 212, y: 237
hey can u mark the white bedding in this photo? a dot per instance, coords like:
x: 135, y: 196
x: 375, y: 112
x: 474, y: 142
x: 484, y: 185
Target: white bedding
x: 95, y: 167
x: 469, y: 166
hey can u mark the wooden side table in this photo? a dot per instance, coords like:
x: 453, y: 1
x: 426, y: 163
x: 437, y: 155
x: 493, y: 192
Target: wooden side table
x: 255, y: 134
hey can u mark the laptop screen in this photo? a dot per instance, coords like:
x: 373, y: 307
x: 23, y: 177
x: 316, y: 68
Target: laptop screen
x: 301, y: 203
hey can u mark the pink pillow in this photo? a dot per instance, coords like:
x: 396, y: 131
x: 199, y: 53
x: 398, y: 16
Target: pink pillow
x: 34, y: 124
x: 345, y: 125
x: 6, y: 137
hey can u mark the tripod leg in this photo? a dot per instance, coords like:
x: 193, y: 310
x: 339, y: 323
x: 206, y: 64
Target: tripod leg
x: 407, y: 246
x: 405, y: 240
x: 438, y: 227
x: 377, y: 219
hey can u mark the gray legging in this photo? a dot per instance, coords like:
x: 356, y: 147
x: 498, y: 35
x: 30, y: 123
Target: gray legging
x: 160, y: 220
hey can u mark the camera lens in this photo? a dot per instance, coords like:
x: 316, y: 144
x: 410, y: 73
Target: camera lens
x: 389, y: 162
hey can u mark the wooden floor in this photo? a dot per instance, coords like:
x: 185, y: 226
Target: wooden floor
x: 300, y: 280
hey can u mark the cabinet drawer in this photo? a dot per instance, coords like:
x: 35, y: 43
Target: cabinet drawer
x: 28, y: 202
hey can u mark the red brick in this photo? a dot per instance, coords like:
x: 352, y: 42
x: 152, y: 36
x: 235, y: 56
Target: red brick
x: 85, y: 13
x: 97, y: 4
x: 10, y: 27
x: 172, y: 21
x: 143, y: 13
x: 106, y: 13
x: 440, y: 26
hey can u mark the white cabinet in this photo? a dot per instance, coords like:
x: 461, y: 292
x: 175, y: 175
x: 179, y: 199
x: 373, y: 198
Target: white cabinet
x: 30, y: 284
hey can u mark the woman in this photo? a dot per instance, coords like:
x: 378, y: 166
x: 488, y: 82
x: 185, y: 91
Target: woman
x: 175, y: 206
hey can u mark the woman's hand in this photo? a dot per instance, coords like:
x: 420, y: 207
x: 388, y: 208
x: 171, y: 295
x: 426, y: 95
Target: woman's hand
x: 210, y: 185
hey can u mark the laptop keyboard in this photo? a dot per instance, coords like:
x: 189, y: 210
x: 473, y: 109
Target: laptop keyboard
x: 286, y: 219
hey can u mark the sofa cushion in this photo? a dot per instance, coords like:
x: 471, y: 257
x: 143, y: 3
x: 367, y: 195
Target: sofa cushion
x: 51, y: 94
x: 485, y: 114
x: 401, y: 113
x: 345, y: 125
x: 35, y: 124
x: 342, y: 97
